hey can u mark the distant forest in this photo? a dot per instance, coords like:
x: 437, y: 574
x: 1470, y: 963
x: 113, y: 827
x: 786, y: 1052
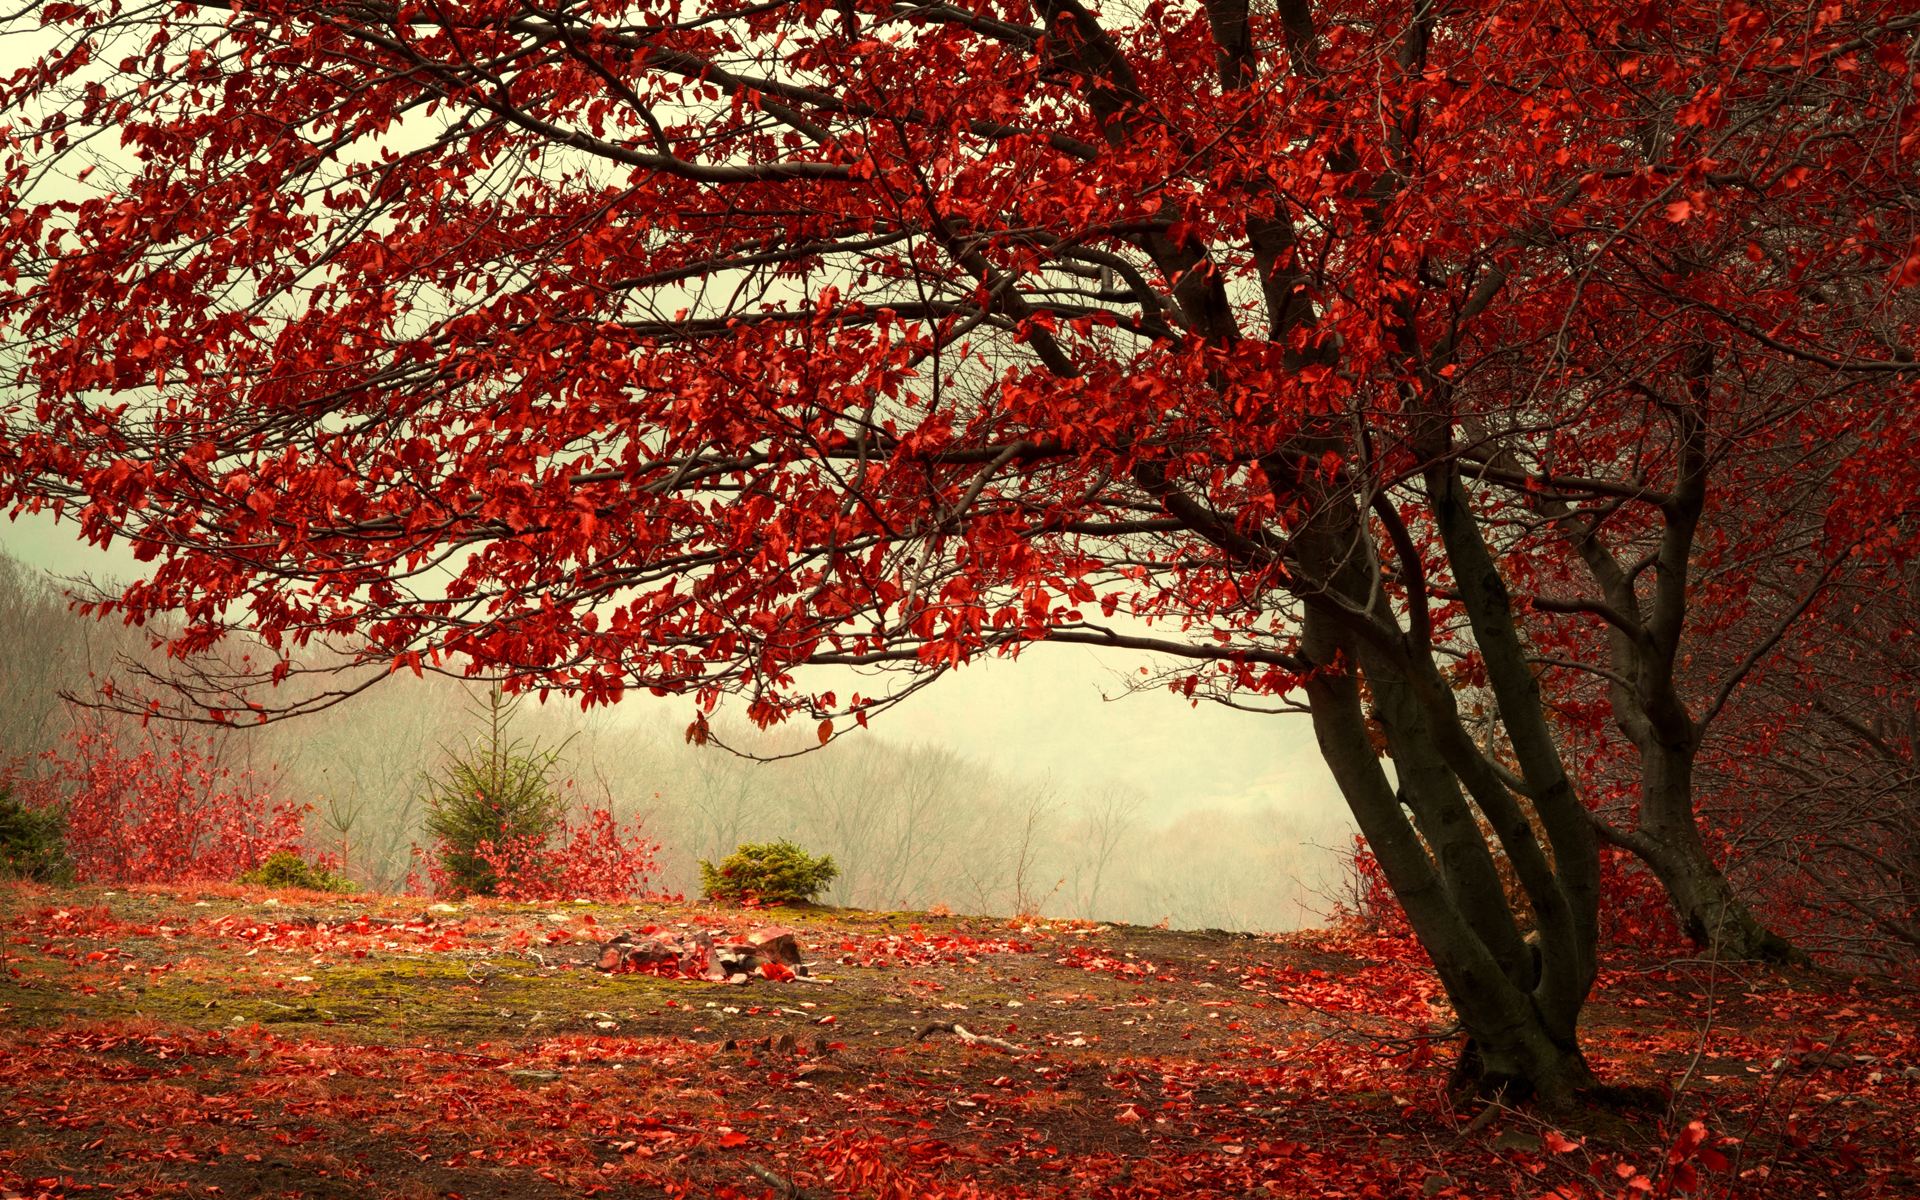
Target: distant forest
x: 912, y: 826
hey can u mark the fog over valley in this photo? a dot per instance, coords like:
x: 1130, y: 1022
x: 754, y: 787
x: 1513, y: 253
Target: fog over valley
x: 1039, y: 785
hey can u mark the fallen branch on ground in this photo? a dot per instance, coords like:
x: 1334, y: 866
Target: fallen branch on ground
x: 969, y: 1037
x: 786, y: 1188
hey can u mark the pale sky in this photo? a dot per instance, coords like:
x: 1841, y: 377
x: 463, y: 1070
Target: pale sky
x: 1044, y: 715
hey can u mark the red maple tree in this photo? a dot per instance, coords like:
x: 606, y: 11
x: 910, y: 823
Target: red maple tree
x: 1320, y: 350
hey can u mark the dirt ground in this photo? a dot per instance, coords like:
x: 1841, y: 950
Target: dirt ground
x: 231, y: 1042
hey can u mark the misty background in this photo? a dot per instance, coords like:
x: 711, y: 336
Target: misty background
x: 1037, y: 786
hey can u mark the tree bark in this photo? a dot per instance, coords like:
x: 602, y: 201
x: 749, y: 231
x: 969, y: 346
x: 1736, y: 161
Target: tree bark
x: 1522, y: 1036
x: 1521, y: 1013
x: 1711, y: 913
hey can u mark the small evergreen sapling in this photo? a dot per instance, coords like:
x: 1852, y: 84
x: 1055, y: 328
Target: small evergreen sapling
x: 494, y: 807
x: 500, y: 828
x: 32, y: 841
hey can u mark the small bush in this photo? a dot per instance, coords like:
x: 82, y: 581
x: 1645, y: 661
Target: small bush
x: 774, y: 872
x: 32, y: 842
x: 285, y: 869
x: 592, y: 858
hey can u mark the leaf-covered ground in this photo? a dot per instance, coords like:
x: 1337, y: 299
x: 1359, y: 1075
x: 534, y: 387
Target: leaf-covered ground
x: 226, y: 1042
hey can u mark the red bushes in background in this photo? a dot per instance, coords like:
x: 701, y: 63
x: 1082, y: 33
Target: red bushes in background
x: 165, y: 812
x: 164, y: 809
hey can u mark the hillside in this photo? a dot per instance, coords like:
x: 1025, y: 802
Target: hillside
x: 234, y: 1042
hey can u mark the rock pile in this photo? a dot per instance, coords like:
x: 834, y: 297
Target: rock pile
x: 771, y: 952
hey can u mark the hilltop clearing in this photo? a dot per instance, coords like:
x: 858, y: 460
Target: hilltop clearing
x: 236, y: 1042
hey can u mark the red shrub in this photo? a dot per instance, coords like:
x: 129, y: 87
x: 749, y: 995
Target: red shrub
x: 165, y: 813
x: 1367, y: 901
x: 601, y: 861
x: 593, y: 859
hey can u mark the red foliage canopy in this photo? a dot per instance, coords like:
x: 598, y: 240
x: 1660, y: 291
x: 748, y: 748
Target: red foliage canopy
x: 632, y: 344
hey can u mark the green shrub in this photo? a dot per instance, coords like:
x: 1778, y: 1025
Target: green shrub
x: 33, y: 842
x: 776, y: 872
x: 285, y: 869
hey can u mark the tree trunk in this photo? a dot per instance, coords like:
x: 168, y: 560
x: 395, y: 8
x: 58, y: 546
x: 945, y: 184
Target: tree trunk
x: 1554, y: 1077
x: 1712, y: 914
x: 1522, y: 1024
